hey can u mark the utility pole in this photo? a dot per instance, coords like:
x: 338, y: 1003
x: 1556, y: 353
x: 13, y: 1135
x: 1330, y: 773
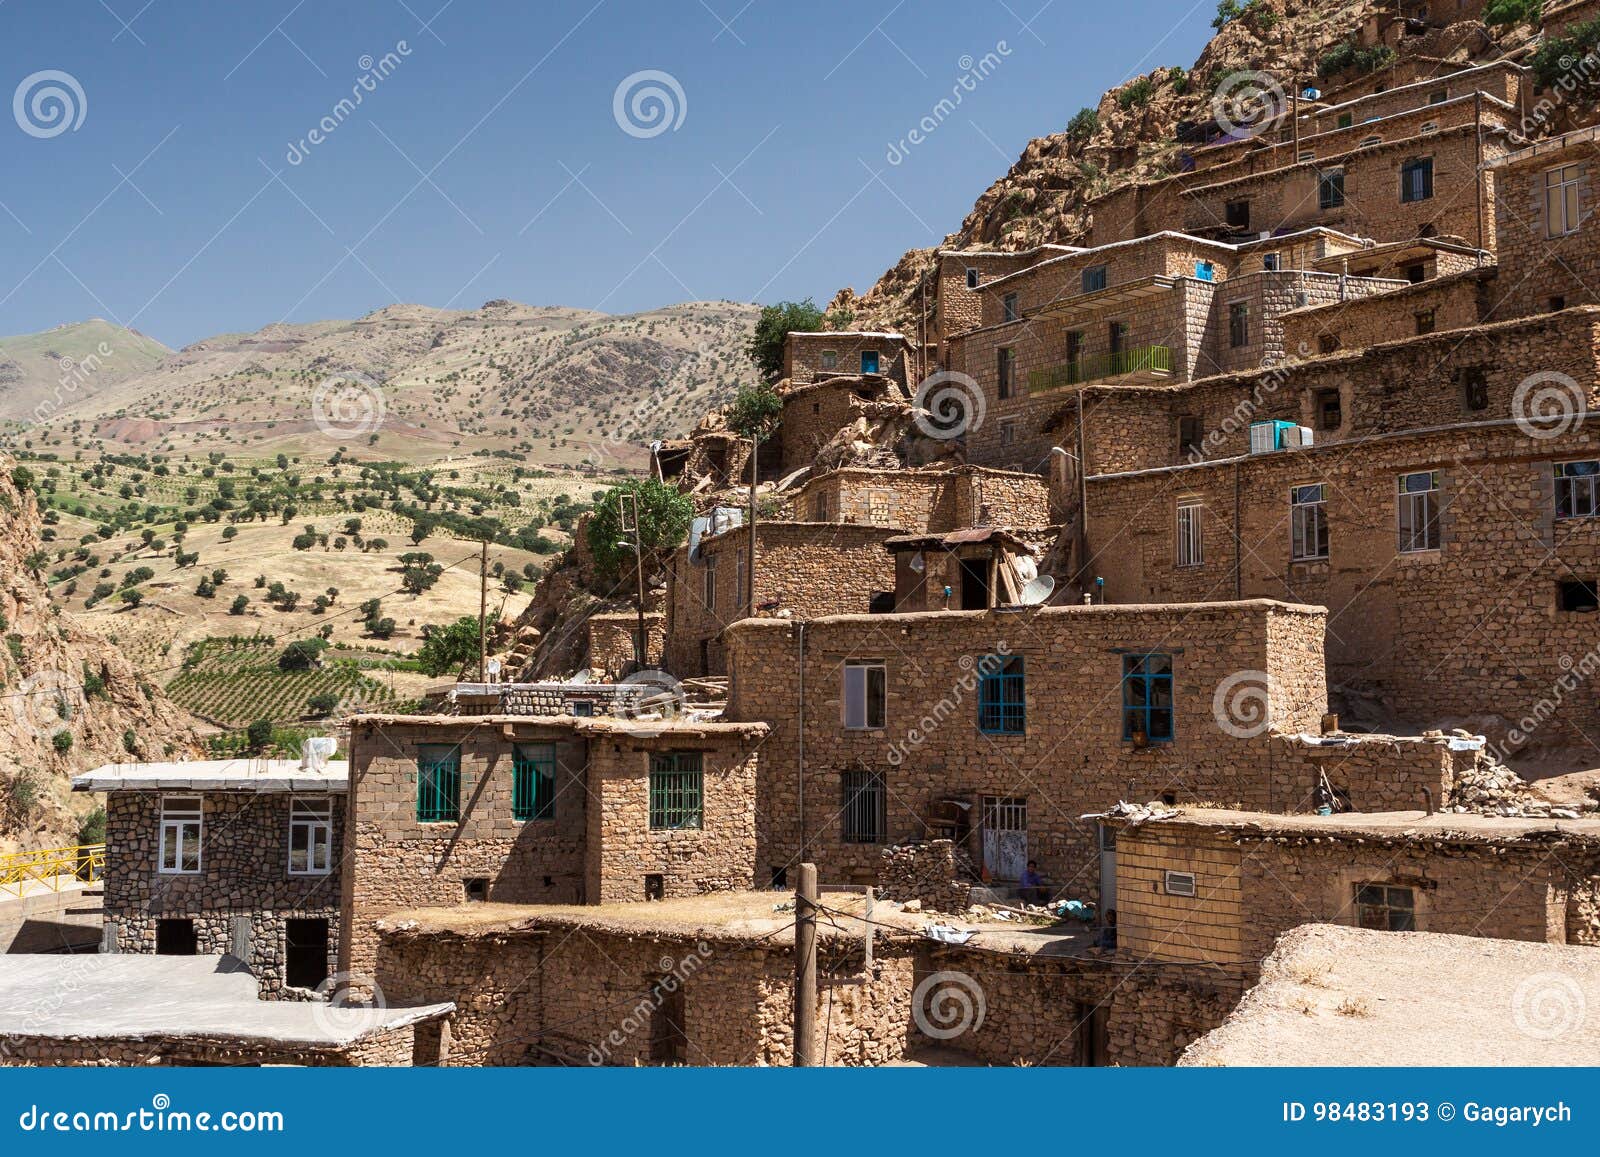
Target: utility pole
x: 750, y: 554
x: 805, y: 969
x: 483, y: 609
x: 630, y: 521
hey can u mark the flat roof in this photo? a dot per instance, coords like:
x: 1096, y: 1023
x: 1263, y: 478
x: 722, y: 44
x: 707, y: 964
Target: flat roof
x: 1332, y: 995
x: 1444, y: 826
x: 122, y: 995
x: 261, y: 775
x: 1104, y: 610
x: 644, y: 727
x: 1547, y: 147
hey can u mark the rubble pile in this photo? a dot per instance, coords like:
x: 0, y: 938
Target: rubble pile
x: 1488, y: 787
x: 934, y: 874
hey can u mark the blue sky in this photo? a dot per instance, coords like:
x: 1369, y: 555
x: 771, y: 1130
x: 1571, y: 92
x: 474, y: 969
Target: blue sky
x: 489, y: 161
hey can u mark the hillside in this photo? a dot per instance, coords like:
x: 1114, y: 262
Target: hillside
x: 43, y: 373
x: 71, y: 700
x: 411, y: 383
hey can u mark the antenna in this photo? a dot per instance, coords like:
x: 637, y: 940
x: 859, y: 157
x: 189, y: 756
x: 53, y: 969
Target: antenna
x: 1038, y: 590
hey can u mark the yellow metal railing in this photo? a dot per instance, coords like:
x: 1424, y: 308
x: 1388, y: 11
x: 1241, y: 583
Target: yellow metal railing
x: 51, y: 868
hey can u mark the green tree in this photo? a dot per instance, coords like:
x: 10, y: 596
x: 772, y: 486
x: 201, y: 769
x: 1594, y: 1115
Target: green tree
x: 755, y: 412
x: 258, y: 734
x: 664, y: 518
x: 774, y: 326
x: 301, y: 655
x: 446, y: 650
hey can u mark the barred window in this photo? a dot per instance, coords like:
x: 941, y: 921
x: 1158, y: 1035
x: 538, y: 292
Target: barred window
x: 1419, y: 511
x: 865, y: 810
x: 438, y: 784
x: 533, y: 781
x: 1190, y: 547
x: 1002, y: 696
x: 677, y: 780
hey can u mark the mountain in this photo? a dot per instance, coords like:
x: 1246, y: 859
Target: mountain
x: 558, y: 385
x: 42, y: 373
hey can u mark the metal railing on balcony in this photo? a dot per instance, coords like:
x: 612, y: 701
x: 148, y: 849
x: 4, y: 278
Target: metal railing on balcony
x: 50, y: 868
x: 1155, y: 359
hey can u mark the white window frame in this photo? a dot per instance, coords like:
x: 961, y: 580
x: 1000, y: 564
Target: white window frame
x: 313, y: 816
x: 1566, y: 207
x: 1180, y: 884
x: 1009, y: 308
x: 1190, y: 543
x: 1303, y: 516
x: 180, y: 814
x: 828, y: 359
x: 855, y: 702
x: 1576, y: 484
x: 1414, y: 536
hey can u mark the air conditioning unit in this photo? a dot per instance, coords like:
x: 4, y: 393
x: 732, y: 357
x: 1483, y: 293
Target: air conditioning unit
x: 1298, y: 436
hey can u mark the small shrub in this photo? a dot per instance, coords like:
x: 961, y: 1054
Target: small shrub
x: 62, y: 742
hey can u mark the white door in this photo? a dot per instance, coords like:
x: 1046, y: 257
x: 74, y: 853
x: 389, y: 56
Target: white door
x: 1108, y: 869
x: 1005, y: 836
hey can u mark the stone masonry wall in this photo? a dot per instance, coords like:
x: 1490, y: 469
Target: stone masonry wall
x: 613, y: 640
x: 1538, y: 262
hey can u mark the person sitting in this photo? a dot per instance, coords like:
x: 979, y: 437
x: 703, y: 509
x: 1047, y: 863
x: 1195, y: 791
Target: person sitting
x: 1031, y: 887
x: 1107, y: 937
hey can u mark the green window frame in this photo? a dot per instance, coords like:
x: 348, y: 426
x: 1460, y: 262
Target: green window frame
x: 533, y: 781
x: 1002, y: 696
x: 677, y: 790
x: 1147, y: 698
x: 438, y: 784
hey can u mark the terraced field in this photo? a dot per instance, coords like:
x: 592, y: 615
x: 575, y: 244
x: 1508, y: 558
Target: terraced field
x: 232, y: 683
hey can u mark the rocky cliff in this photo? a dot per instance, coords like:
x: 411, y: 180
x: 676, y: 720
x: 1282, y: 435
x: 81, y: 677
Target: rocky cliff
x: 68, y: 700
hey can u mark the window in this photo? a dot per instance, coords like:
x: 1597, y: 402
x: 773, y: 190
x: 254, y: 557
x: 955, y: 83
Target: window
x: 1416, y: 273
x: 1425, y: 319
x: 181, y: 830
x: 865, y: 807
x: 1239, y: 324
x: 310, y: 837
x: 1578, y: 489
x: 738, y: 579
x: 1236, y: 214
x: 1179, y: 883
x: 708, y: 585
x: 1008, y: 431
x: 1346, y: 119
x: 1272, y: 262
x: 830, y: 359
x: 533, y: 781
x: 1009, y: 305
x: 1561, y: 214
x: 1439, y: 96
x: 1147, y: 698
x: 176, y: 937
x: 1189, y: 541
x: 1002, y: 696
x: 972, y: 278
x: 1005, y: 361
x: 1074, y: 349
x: 1117, y: 336
x: 1308, y: 523
x: 869, y: 361
x: 1205, y: 271
x: 1328, y: 343
x: 475, y: 889
x: 880, y: 507
x: 819, y: 508
x: 1094, y: 278
x: 1386, y: 908
x: 1330, y: 409
x: 1475, y: 387
x: 1577, y: 595
x: 1428, y: 127
x: 438, y: 784
x: 1556, y: 304
x: 1416, y: 180
x: 1419, y: 511
x: 1191, y: 435
x: 1330, y: 189
x: 676, y: 782
x: 866, y: 695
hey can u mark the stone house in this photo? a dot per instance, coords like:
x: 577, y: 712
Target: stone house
x: 237, y: 856
x: 1548, y: 247
x: 910, y: 726
x: 815, y: 412
x: 1218, y: 886
x: 925, y: 501
x: 530, y: 809
x: 814, y: 357
x: 614, y: 642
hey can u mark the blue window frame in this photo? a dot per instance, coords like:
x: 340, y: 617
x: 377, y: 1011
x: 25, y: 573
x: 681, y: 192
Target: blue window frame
x: 1002, y: 696
x: 438, y: 784
x: 1094, y: 278
x: 533, y: 781
x: 1205, y: 271
x: 1147, y: 697
x: 869, y: 361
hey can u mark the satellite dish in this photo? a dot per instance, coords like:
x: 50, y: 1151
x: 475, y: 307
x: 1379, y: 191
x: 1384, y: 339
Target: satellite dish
x: 1038, y: 590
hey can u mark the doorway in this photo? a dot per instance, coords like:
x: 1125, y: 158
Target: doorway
x: 974, y: 584
x: 176, y: 938
x: 669, y: 1038
x: 1005, y: 836
x: 305, y: 956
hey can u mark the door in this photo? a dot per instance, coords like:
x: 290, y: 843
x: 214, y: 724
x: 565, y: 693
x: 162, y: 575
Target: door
x: 1005, y: 836
x: 1108, y: 869
x: 176, y: 938
x: 869, y: 361
x: 305, y: 946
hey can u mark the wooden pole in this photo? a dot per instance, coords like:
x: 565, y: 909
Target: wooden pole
x: 749, y: 608
x: 483, y: 610
x: 805, y: 969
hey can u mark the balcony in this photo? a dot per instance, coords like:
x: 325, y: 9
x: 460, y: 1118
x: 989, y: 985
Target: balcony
x: 1148, y: 362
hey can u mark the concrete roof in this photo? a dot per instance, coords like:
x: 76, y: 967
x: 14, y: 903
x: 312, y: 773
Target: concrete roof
x: 260, y: 775
x: 117, y: 997
x: 1463, y: 827
x: 1332, y: 995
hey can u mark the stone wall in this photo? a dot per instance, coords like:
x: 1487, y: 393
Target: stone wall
x: 391, y: 1048
x: 1453, y: 302
x: 613, y: 640
x: 1542, y: 268
x: 1072, y: 758
x: 806, y: 355
x: 926, y: 501
x: 935, y: 873
x: 244, y: 888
